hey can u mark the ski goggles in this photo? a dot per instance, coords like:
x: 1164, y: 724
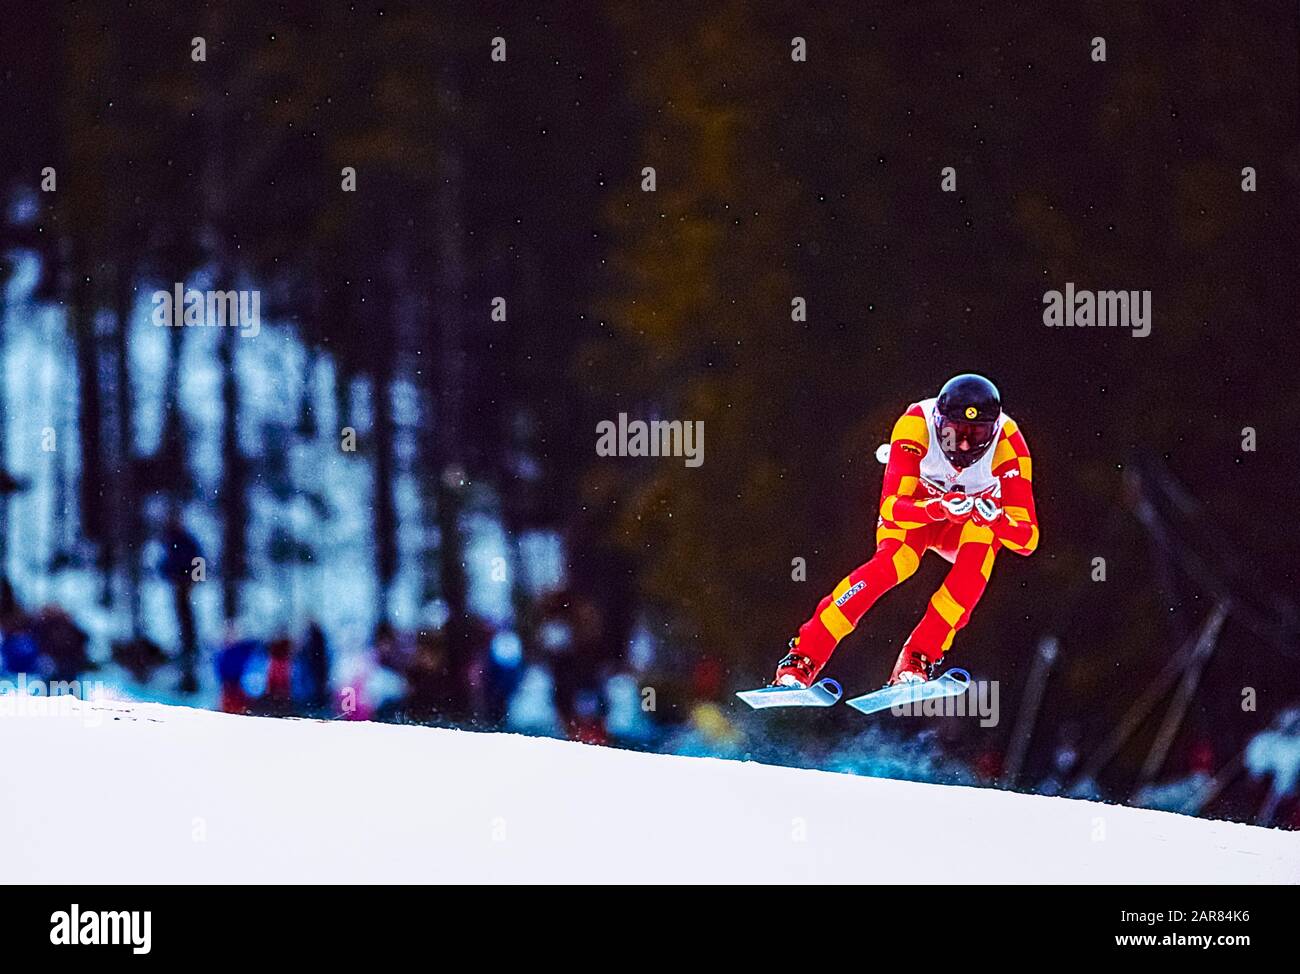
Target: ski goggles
x: 973, y: 436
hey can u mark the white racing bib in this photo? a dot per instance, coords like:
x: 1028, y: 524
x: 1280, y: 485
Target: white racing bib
x: 937, y: 470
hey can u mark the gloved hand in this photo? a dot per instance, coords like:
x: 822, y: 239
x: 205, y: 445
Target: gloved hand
x: 957, y: 507
x: 987, y: 511
x: 934, y: 509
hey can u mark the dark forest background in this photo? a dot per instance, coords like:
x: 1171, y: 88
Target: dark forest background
x: 776, y: 179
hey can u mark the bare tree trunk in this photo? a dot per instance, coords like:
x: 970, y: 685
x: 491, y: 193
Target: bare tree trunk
x: 234, y: 508
x: 128, y: 504
x: 171, y: 445
x: 448, y: 458
x: 5, y: 269
x: 1206, y: 641
x: 90, y: 420
x: 1030, y: 705
x: 385, y: 514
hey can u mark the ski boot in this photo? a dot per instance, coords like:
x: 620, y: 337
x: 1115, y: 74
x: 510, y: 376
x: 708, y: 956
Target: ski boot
x: 912, y: 667
x: 796, y: 670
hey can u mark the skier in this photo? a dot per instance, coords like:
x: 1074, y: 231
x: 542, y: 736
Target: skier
x: 958, y: 481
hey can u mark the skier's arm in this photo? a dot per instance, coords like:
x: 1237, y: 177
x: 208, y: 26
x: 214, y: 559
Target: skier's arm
x: 1017, y: 528
x: 907, y: 445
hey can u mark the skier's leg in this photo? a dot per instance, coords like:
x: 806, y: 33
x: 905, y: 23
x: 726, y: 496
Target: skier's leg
x: 898, y: 553
x: 950, y: 607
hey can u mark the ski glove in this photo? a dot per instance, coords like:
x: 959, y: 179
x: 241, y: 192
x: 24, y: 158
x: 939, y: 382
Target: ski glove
x: 951, y: 507
x: 986, y: 510
x: 957, y: 507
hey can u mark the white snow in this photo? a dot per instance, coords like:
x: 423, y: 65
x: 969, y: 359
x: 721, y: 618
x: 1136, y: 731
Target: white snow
x: 113, y: 792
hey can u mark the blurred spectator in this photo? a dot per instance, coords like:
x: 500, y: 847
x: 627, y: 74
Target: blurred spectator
x: 1065, y: 760
x: 1187, y: 791
x: 312, y: 672
x: 587, y: 722
x: 387, y: 649
x: 140, y: 657
x: 707, y: 733
x: 8, y: 601
x: 46, y: 644
x: 180, y: 550
x: 62, y: 642
x: 502, y: 670
x: 232, y: 666
x: 476, y: 677
x: 278, y: 698
x: 532, y: 705
x: 628, y: 718
x: 1176, y: 795
x: 429, y: 693
x: 572, y: 639
x: 369, y: 685
x: 1275, y: 753
x: 18, y: 650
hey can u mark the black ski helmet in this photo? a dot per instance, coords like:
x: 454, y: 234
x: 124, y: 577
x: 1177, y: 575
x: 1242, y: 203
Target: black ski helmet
x: 967, y: 418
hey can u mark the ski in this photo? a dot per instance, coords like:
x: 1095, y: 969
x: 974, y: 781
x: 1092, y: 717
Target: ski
x: 823, y: 693
x: 952, y: 684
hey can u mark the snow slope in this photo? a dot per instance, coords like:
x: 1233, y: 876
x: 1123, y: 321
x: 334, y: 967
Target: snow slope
x: 117, y: 792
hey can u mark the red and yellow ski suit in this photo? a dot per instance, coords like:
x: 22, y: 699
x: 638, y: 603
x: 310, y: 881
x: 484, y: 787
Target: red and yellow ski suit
x: 905, y: 532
